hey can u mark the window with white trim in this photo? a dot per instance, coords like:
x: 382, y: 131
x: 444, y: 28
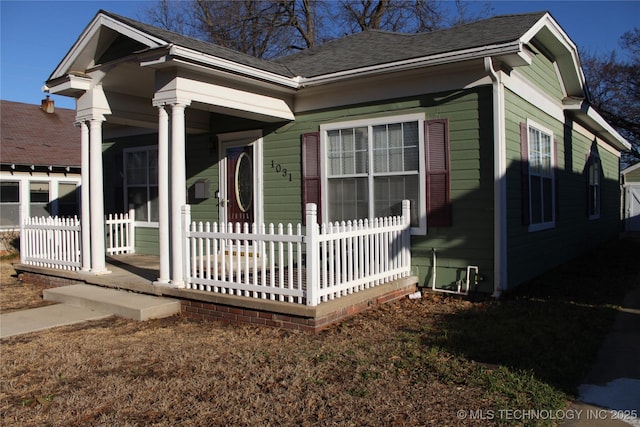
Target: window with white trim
x: 372, y: 165
x: 541, y: 178
x: 141, y: 182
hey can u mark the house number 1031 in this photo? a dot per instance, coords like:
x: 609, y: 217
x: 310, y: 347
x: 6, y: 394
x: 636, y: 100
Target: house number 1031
x: 280, y: 170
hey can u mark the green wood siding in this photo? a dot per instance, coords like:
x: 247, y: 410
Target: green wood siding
x: 147, y: 241
x: 470, y: 240
x: 531, y: 253
x: 542, y: 73
x: 633, y: 176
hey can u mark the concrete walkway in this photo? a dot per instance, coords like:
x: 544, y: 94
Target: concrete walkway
x: 81, y: 303
x: 610, y: 394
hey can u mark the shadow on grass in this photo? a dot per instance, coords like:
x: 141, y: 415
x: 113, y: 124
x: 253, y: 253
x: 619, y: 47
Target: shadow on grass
x: 551, y: 327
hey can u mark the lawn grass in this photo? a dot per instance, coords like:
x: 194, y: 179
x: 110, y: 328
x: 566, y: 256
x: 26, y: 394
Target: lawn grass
x: 412, y: 362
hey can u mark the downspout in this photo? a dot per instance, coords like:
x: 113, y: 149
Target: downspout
x: 499, y: 183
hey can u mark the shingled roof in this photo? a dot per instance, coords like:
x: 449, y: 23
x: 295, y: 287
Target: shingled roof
x: 362, y: 49
x: 204, y: 47
x: 372, y: 47
x: 30, y: 136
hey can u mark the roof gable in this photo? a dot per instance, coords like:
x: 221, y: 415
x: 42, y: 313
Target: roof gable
x: 30, y: 136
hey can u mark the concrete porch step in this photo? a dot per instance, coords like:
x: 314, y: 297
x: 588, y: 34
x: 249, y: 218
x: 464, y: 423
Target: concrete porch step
x: 121, y: 303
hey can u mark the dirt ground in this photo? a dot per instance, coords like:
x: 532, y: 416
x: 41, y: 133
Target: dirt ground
x: 15, y: 295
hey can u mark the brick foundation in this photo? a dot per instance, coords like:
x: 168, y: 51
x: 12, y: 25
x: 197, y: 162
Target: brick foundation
x: 43, y: 280
x: 233, y: 315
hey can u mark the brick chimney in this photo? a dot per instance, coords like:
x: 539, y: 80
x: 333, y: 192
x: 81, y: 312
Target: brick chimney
x: 47, y: 105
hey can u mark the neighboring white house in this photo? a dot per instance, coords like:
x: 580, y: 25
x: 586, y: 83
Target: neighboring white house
x: 631, y: 197
x: 39, y: 162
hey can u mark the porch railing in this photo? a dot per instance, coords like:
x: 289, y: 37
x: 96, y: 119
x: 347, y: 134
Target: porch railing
x: 51, y: 242
x: 120, y: 233
x: 306, y: 265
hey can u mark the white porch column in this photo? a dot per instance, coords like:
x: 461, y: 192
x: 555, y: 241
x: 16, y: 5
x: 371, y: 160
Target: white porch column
x: 164, y: 216
x: 178, y: 191
x: 85, y: 213
x: 97, y: 197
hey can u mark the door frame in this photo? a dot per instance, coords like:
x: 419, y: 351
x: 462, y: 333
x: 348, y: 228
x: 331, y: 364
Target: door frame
x: 251, y: 138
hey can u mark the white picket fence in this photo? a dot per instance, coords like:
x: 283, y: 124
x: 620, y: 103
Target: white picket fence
x: 120, y: 233
x: 51, y: 242
x: 54, y: 242
x: 284, y: 263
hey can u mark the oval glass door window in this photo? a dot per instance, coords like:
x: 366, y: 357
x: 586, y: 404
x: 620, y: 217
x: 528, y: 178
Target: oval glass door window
x: 244, y: 182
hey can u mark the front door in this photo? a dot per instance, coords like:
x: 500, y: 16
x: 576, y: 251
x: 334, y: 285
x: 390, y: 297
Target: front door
x: 240, y: 182
x: 240, y: 194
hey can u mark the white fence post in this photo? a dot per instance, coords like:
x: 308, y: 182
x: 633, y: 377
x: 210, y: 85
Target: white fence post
x: 23, y: 235
x: 131, y: 241
x: 186, y: 221
x: 406, y: 234
x: 313, y: 255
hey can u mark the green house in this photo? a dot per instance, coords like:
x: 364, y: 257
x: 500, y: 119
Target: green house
x: 485, y: 128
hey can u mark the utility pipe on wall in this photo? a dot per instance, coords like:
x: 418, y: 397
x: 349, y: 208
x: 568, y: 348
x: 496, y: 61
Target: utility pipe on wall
x: 500, y: 185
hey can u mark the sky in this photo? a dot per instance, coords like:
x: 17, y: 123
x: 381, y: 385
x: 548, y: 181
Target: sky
x: 36, y: 35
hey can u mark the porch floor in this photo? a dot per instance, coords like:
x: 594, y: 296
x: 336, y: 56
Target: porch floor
x: 137, y: 273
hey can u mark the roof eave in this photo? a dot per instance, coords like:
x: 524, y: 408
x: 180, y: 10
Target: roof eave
x: 72, y: 85
x: 184, y: 56
x: 585, y: 113
x: 511, y: 53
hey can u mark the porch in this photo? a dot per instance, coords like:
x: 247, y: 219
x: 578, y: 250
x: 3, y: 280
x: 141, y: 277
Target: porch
x: 137, y: 273
x: 294, y: 277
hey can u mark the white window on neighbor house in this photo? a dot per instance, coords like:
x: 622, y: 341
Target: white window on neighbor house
x: 372, y: 165
x: 594, y: 171
x: 39, y: 199
x: 9, y: 204
x: 141, y: 183
x: 541, y: 161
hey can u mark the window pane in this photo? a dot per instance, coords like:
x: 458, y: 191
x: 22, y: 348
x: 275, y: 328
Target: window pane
x: 9, y: 215
x: 153, y: 167
x: 380, y: 158
x: 391, y: 191
x: 348, y: 199
x: 39, y: 192
x: 153, y: 204
x: 362, y: 150
x: 411, y: 150
x: 9, y: 192
x: 536, y: 200
x: 67, y: 199
x: 137, y: 168
x: 138, y: 199
x: 547, y: 189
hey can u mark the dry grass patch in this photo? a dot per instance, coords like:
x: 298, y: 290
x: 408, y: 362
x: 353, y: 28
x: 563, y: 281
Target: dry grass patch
x: 15, y: 295
x: 413, y: 362
x: 173, y: 371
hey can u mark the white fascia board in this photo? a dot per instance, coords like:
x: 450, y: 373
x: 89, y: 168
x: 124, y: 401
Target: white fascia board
x: 630, y: 168
x: 570, y: 58
x: 85, y: 39
x: 425, y: 61
x: 584, y: 111
x: 208, y: 93
x: 224, y: 64
x: 68, y: 83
